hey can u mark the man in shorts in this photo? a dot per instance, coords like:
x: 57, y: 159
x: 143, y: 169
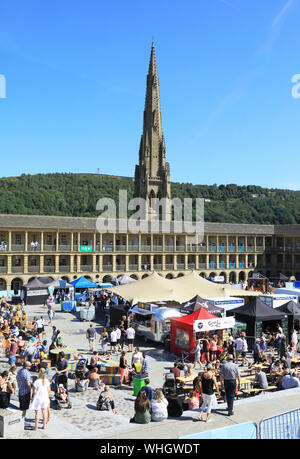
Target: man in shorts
x: 24, y: 385
x: 130, y: 334
x: 91, y: 335
x: 113, y: 340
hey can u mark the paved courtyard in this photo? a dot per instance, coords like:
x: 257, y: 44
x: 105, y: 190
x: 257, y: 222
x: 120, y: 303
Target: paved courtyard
x: 85, y: 421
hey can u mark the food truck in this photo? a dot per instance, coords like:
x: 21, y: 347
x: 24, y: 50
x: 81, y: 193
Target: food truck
x: 151, y: 321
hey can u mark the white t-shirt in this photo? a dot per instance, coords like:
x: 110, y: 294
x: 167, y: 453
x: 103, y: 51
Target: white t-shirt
x: 245, y: 346
x: 113, y: 336
x: 239, y: 344
x: 130, y: 333
x: 137, y: 357
x: 118, y: 331
x: 294, y: 338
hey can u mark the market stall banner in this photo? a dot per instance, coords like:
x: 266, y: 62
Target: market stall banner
x: 36, y: 292
x: 214, y: 324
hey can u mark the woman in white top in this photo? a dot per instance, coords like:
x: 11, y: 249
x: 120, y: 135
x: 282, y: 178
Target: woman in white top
x: 159, y: 410
x: 41, y: 392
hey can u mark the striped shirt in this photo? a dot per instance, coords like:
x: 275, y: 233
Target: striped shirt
x: 230, y: 370
x: 23, y: 378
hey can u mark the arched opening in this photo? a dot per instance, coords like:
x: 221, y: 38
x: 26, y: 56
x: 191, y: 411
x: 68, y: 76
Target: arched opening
x: 16, y: 284
x: 3, y: 284
x: 107, y: 278
x: 232, y: 277
x: 65, y: 278
x: 202, y: 275
x: 144, y: 276
x: 242, y: 276
x: 31, y: 279
x: 169, y: 276
x: 222, y: 274
x: 151, y: 196
x: 180, y: 275
x: 134, y: 276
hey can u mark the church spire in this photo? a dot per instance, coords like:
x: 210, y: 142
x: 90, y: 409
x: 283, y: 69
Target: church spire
x: 152, y: 175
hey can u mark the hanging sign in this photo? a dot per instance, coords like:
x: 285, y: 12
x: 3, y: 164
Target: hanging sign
x: 214, y: 324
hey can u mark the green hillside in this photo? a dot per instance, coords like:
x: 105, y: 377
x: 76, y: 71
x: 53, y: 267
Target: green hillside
x: 76, y: 195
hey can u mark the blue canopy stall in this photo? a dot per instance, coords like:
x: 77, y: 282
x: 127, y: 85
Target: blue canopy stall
x: 83, y: 283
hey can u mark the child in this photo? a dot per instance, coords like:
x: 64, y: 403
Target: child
x: 62, y: 393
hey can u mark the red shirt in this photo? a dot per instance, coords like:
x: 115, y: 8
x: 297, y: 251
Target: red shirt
x: 176, y: 372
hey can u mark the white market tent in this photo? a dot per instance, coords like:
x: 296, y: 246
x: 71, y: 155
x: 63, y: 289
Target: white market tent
x: 157, y: 288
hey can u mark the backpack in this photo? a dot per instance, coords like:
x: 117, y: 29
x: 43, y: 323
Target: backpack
x: 4, y: 399
x: 103, y: 403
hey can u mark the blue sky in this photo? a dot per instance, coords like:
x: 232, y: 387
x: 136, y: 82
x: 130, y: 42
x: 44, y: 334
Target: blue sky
x: 75, y: 75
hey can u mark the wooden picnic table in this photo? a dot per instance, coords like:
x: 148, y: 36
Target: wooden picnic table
x: 184, y: 380
x: 67, y: 350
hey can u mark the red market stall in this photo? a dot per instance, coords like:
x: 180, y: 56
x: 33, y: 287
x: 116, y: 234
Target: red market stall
x: 182, y: 331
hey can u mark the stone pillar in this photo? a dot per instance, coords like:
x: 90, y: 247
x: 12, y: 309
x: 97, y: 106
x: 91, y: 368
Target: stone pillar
x: 26, y: 241
x: 72, y: 262
x: 78, y: 263
x: 41, y: 264
x: 42, y: 241
x: 9, y: 257
x: 186, y: 261
x: 56, y: 262
x: 94, y: 258
x: 25, y: 264
x: 9, y: 241
x: 151, y: 259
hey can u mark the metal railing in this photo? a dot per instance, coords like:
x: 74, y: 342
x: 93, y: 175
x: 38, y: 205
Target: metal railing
x: 64, y: 248
x: 283, y: 426
x: 17, y: 269
x: 18, y: 247
x: 86, y: 268
x: 49, y: 248
x: 33, y: 269
x: 49, y: 269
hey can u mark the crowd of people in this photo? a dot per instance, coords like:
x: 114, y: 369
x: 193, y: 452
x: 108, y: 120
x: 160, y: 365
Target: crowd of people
x: 219, y: 363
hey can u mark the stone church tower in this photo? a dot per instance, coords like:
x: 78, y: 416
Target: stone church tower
x: 152, y: 175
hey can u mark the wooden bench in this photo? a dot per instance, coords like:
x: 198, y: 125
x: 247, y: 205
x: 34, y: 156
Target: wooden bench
x: 112, y: 379
x: 186, y: 388
x: 256, y: 390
